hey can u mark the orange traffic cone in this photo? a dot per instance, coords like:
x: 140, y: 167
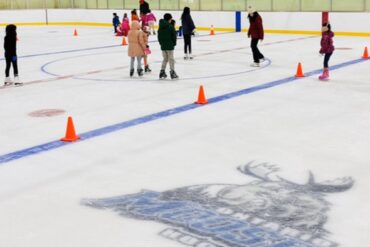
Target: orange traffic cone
x: 75, y: 33
x: 70, y: 132
x: 124, y: 41
x: 201, y: 97
x: 366, y: 53
x: 299, y: 71
x: 212, y: 31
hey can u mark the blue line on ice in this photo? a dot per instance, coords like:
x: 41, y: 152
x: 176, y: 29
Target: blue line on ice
x: 166, y: 113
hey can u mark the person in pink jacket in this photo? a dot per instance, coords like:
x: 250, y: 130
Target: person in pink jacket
x: 125, y: 25
x: 327, y: 49
x: 136, y: 47
x: 151, y: 20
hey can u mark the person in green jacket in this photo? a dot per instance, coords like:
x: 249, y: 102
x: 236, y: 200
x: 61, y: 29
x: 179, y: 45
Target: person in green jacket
x: 167, y: 39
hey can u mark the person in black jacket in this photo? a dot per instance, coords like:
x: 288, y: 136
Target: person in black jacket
x: 187, y: 30
x: 10, y: 47
x: 144, y: 7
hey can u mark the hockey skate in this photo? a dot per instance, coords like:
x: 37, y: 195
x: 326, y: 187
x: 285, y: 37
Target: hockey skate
x: 147, y: 69
x: 173, y: 75
x: 162, y: 75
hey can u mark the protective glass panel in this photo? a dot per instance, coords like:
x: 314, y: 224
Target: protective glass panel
x: 345, y: 5
x: 36, y: 4
x: 132, y: 4
x: 316, y: 5
x: 102, y: 4
x: 286, y: 5
x: 91, y: 4
x: 81, y: 4
x: 192, y: 4
x: 260, y: 5
x: 233, y: 5
x: 18, y: 4
x: 210, y: 5
x: 367, y: 5
x: 169, y: 4
x: 65, y: 4
x: 153, y: 4
x: 115, y: 4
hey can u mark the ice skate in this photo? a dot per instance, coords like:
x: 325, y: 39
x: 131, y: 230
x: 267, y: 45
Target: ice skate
x: 186, y: 56
x: 262, y: 60
x: 255, y: 64
x: 173, y: 75
x: 131, y: 73
x: 162, y: 75
x: 190, y: 56
x: 147, y: 69
x: 7, y: 81
x: 140, y: 72
x: 17, y: 82
x: 324, y: 76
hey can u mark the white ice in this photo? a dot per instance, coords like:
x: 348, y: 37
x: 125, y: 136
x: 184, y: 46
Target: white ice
x: 301, y: 126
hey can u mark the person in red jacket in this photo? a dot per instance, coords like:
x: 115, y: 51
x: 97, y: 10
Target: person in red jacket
x: 255, y: 32
x: 327, y: 49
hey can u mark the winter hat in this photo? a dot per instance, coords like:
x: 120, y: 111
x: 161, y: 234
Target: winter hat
x: 167, y: 16
x: 251, y: 9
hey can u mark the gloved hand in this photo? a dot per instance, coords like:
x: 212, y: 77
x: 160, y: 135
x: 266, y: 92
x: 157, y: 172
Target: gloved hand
x: 14, y: 58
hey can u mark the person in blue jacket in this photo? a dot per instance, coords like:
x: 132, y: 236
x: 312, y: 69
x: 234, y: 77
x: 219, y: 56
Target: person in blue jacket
x: 116, y: 22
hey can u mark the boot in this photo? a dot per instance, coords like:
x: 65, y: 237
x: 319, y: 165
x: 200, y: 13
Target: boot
x: 147, y: 69
x: 140, y: 72
x: 162, y: 74
x: 131, y: 72
x: 7, y: 81
x: 16, y: 81
x: 325, y: 75
x: 173, y: 74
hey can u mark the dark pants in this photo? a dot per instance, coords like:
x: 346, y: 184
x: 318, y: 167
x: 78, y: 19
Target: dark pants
x: 257, y: 55
x: 326, y: 59
x: 115, y: 28
x: 187, y: 43
x: 10, y: 62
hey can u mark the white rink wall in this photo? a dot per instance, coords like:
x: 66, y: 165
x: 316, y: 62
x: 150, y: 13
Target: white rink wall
x: 299, y: 21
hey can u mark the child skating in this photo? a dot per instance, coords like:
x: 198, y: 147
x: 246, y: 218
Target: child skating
x: 327, y: 49
x: 10, y: 47
x: 136, y: 47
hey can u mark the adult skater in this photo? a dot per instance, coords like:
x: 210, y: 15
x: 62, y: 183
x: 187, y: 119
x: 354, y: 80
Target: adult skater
x: 255, y: 32
x: 144, y: 7
x: 187, y: 30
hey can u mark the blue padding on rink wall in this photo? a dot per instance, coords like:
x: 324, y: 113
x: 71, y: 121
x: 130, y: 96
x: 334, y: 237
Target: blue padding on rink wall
x: 163, y: 114
x: 238, y: 21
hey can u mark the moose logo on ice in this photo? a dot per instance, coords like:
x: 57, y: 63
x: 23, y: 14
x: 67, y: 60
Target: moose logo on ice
x: 270, y: 211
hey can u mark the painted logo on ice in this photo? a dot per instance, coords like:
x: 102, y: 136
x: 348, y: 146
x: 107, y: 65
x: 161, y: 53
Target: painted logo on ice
x: 268, y: 212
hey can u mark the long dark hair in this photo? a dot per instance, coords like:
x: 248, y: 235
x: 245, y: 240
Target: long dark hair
x: 11, y: 31
x: 185, y: 13
x: 327, y: 25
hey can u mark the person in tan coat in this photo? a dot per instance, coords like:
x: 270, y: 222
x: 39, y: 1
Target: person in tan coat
x: 137, y: 43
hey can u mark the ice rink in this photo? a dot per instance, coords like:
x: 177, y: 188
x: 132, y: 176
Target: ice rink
x: 169, y: 162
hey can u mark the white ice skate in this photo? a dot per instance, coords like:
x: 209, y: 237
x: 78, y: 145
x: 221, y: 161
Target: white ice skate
x: 7, y: 81
x: 255, y: 64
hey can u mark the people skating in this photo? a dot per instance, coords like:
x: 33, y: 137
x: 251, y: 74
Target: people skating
x: 256, y: 33
x: 134, y: 16
x: 136, y: 47
x: 125, y: 26
x: 167, y: 40
x: 327, y: 49
x: 188, y: 27
x: 115, y: 22
x: 147, y: 51
x: 151, y: 19
x: 10, y: 47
